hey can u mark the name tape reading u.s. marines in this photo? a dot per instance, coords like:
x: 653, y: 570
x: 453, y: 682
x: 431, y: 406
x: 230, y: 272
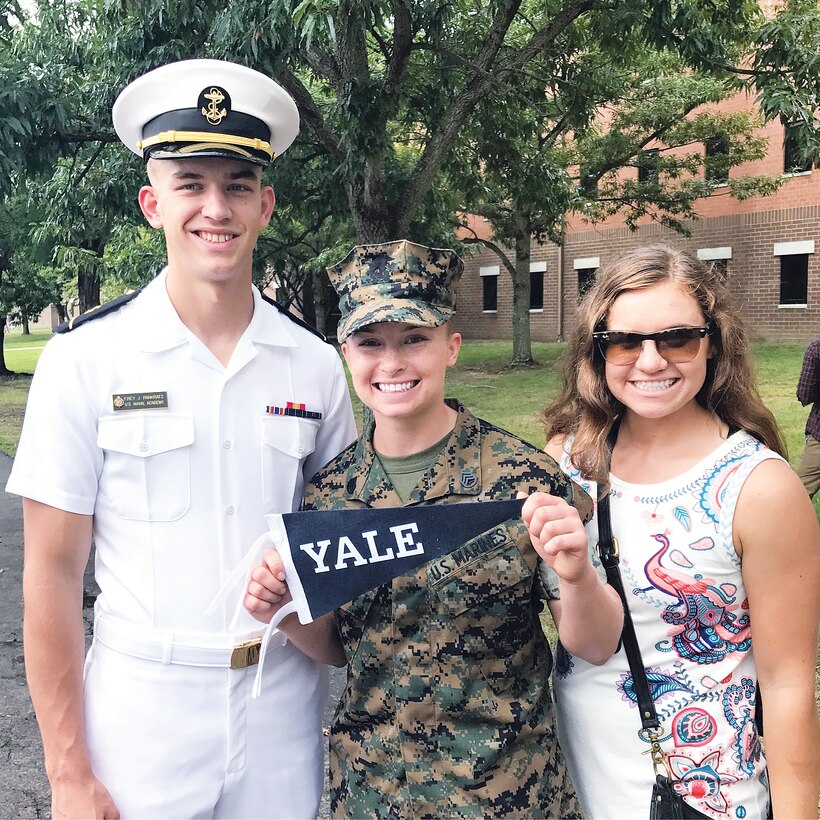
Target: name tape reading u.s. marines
x: 333, y: 556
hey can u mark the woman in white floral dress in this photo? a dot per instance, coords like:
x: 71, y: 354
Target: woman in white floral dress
x: 719, y: 551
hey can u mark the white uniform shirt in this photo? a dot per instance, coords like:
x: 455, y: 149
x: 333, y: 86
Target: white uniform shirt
x: 178, y: 493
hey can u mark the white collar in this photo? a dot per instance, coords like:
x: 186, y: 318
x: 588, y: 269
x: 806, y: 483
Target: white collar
x: 163, y: 329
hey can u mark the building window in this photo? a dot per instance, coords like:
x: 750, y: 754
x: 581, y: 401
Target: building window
x: 794, y: 271
x: 537, y: 270
x: 793, y: 161
x: 794, y: 279
x: 716, y: 164
x: 648, y: 165
x: 489, y: 288
x: 721, y: 268
x: 717, y: 259
x: 586, y: 268
x: 489, y: 299
x: 586, y: 279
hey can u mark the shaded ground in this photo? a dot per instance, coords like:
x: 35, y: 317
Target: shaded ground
x: 23, y: 786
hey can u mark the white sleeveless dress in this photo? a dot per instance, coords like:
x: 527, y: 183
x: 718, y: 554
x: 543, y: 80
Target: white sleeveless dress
x: 685, y: 591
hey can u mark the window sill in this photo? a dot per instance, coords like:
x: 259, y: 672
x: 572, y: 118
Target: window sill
x: 791, y: 307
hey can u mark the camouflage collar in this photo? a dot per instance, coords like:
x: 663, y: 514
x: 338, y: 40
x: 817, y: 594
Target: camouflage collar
x: 457, y: 472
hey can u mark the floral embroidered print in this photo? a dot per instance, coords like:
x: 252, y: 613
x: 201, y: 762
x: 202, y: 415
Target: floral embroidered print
x: 683, y: 582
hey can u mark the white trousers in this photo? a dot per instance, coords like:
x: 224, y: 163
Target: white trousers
x: 174, y: 741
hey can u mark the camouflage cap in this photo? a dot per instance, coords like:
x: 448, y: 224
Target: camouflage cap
x: 395, y: 282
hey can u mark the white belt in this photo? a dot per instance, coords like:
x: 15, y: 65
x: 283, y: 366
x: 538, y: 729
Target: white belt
x: 166, y: 647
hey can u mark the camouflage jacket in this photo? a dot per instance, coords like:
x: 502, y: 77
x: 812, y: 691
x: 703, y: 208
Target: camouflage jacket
x: 447, y: 710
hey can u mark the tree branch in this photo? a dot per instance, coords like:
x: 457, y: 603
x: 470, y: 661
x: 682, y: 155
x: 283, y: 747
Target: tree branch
x: 402, y: 45
x: 453, y: 120
x: 90, y: 162
x: 310, y: 113
x: 496, y: 249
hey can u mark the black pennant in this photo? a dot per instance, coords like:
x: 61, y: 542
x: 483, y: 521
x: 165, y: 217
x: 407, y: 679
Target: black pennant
x: 333, y: 556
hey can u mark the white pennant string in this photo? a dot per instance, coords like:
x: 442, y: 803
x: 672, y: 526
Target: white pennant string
x: 286, y: 610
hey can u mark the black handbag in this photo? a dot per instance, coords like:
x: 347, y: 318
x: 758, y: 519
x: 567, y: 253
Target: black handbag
x: 666, y: 803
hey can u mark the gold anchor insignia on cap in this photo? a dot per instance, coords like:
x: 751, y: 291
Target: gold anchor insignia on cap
x: 213, y: 113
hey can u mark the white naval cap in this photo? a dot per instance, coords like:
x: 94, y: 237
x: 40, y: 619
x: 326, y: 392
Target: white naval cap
x: 206, y: 108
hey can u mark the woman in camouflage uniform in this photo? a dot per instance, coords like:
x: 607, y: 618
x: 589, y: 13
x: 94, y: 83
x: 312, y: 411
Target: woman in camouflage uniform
x: 447, y: 710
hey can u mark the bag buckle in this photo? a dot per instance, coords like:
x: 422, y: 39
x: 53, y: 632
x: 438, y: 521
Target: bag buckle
x: 656, y: 752
x: 246, y: 654
x: 608, y: 554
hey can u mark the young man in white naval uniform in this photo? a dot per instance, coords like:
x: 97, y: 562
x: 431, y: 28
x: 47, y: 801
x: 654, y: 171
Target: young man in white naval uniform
x: 166, y: 427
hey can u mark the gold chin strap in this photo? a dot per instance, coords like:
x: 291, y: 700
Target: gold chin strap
x: 204, y: 136
x: 204, y: 146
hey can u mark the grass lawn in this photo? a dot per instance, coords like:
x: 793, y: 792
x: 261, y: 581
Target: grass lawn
x: 482, y: 380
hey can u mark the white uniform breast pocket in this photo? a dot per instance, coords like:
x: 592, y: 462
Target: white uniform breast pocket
x: 147, y: 471
x: 286, y: 442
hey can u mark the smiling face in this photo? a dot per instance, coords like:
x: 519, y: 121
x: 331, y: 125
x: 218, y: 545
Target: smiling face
x: 398, y: 370
x: 211, y: 211
x: 652, y: 387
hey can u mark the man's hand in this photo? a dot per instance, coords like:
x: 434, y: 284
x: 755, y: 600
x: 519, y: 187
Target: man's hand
x: 86, y: 798
x: 267, y: 591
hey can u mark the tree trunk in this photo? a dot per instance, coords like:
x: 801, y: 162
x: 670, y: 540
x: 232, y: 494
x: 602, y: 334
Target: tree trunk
x: 522, y: 341
x: 4, y: 371
x: 88, y: 290
x: 319, y: 301
x: 373, y: 220
x: 88, y: 282
x: 62, y: 311
x: 26, y: 331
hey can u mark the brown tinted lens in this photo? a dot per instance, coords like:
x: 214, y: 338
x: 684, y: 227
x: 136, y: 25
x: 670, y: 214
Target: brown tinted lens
x: 622, y: 348
x: 678, y: 346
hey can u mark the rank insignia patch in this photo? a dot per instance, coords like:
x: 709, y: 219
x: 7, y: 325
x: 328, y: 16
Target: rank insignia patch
x: 293, y: 408
x: 139, y: 401
x: 468, y: 479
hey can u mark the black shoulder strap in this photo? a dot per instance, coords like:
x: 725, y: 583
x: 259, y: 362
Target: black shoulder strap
x: 97, y: 312
x: 301, y: 322
x: 608, y: 551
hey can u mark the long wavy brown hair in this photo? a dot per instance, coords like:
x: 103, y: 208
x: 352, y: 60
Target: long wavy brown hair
x: 586, y: 409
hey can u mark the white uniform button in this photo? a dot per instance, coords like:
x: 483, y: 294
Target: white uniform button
x: 300, y: 449
x: 227, y: 444
x: 230, y: 509
x: 143, y: 447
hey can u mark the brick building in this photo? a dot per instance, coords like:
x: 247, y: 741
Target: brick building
x: 768, y: 247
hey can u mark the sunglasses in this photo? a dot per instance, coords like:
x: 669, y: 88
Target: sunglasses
x: 676, y: 345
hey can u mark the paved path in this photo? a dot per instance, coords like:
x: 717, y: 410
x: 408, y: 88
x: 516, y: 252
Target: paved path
x: 24, y: 789
x: 23, y: 786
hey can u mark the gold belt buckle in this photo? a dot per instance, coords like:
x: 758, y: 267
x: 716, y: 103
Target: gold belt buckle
x: 246, y: 654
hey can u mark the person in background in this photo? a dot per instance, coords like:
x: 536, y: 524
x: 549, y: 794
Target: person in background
x: 447, y: 710
x: 719, y: 551
x: 165, y: 425
x: 808, y: 392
